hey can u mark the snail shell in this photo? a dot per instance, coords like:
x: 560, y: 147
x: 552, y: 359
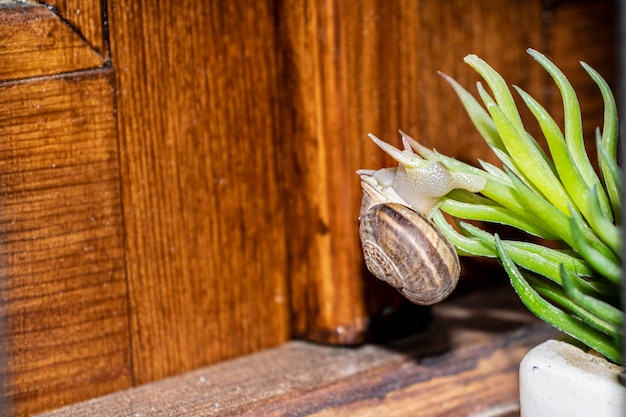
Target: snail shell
x: 406, y: 250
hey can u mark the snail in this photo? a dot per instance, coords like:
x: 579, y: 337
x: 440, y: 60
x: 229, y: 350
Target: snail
x: 400, y: 244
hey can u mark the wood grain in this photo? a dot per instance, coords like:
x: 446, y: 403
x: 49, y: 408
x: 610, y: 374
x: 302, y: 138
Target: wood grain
x: 450, y: 31
x: 371, y: 66
x: 240, y: 127
x: 87, y: 18
x: 35, y: 42
x: 465, y: 364
x: 61, y: 253
x: 204, y: 218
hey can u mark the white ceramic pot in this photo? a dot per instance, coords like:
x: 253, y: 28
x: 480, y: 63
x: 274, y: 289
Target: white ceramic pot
x: 558, y: 378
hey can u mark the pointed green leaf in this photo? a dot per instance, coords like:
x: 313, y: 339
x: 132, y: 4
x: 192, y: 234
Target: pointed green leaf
x: 527, y: 158
x: 603, y: 311
x: 464, y: 245
x: 491, y: 213
x: 603, y: 227
x: 481, y: 119
x: 552, y: 218
x: 498, y: 86
x: 599, y: 256
x: 539, y: 259
x: 612, y: 179
x: 568, y: 174
x: 573, y: 123
x: 555, y: 316
x: 609, y: 132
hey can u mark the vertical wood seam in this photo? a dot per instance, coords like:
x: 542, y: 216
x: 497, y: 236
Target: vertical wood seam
x: 129, y: 316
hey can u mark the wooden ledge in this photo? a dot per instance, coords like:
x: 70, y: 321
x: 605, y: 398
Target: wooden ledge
x: 464, y: 365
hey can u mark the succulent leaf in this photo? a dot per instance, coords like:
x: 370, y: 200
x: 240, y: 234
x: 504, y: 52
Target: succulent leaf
x: 570, y: 324
x: 479, y: 116
x: 573, y: 124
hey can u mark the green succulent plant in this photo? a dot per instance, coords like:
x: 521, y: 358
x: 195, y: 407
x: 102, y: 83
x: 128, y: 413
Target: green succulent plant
x: 571, y: 279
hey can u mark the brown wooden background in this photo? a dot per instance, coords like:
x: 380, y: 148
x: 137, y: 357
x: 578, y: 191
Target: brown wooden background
x: 177, y: 181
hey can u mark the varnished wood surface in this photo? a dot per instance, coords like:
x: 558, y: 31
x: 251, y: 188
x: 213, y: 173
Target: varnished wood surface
x: 35, y: 42
x: 204, y: 215
x: 63, y: 288
x: 87, y: 18
x: 566, y: 22
x: 465, y: 364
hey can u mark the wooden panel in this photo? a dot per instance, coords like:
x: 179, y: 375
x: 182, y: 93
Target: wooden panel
x: 452, y: 30
x: 464, y: 365
x: 371, y: 66
x: 61, y: 252
x: 87, y: 17
x: 598, y: 48
x: 35, y: 42
x: 204, y: 219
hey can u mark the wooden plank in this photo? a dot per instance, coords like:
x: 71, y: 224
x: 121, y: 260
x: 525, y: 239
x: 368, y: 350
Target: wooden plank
x: 371, y: 66
x: 61, y: 253
x: 35, y: 42
x: 87, y: 18
x: 203, y: 213
x: 465, y: 364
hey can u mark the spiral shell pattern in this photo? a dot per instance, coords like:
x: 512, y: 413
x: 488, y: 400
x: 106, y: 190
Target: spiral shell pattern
x: 406, y: 250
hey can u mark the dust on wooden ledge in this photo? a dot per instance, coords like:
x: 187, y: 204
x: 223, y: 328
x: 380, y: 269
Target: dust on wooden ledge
x: 466, y: 363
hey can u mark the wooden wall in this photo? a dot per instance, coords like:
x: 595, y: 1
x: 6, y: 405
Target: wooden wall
x: 177, y: 182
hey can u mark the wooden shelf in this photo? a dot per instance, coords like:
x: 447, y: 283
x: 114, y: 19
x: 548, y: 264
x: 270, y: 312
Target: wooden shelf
x: 464, y: 364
